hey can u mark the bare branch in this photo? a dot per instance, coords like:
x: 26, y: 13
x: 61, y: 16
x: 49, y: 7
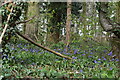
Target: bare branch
x: 25, y: 21
x: 5, y: 26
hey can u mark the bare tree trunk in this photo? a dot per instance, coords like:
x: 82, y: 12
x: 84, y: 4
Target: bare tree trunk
x: 32, y: 26
x: 68, y: 22
x: 25, y: 17
x: 84, y: 18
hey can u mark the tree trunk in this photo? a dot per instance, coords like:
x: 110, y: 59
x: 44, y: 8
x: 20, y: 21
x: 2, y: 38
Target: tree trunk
x: 84, y: 18
x: 106, y: 23
x: 32, y: 26
x: 25, y: 17
x: 108, y: 26
x: 68, y: 22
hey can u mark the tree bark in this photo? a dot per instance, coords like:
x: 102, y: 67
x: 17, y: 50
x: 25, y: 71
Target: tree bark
x: 32, y: 26
x: 106, y: 23
x: 108, y: 26
x: 84, y: 18
x: 68, y: 22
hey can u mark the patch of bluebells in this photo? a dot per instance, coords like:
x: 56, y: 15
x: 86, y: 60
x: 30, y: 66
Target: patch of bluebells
x: 24, y: 49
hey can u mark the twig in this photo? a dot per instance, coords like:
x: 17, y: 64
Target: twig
x: 6, y: 25
x: 45, y: 48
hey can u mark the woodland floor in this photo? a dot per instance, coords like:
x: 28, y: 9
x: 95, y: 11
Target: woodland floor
x: 90, y: 60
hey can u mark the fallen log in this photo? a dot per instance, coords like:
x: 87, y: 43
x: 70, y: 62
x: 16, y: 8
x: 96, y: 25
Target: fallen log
x: 45, y: 48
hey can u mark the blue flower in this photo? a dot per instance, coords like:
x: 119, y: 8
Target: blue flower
x: 95, y: 61
x: 110, y: 54
x: 74, y: 57
x: 13, y: 48
x: 72, y: 62
x: 117, y: 59
x: 75, y: 51
x: 25, y: 49
x: 83, y: 54
x: 59, y: 49
x: 25, y: 45
x: 104, y: 58
x: 89, y: 56
x: 111, y: 68
x: 13, y: 57
x: 54, y: 49
x: 113, y: 59
x: 81, y: 71
x: 91, y: 53
x: 67, y: 53
x: 99, y: 59
x: 41, y: 52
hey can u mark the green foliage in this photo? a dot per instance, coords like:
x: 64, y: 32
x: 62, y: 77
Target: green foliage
x: 11, y: 28
x: 90, y: 61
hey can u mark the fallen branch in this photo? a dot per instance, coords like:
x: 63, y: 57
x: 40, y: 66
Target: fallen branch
x: 5, y: 26
x: 30, y: 40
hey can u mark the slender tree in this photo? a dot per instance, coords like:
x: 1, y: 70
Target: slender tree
x: 84, y: 18
x: 68, y: 22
